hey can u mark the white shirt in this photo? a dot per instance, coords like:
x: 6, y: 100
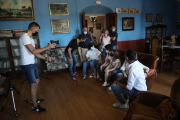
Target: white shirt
x: 108, y: 57
x: 114, y: 63
x: 93, y: 54
x: 125, y: 66
x: 26, y: 56
x: 136, y: 78
x: 105, y: 40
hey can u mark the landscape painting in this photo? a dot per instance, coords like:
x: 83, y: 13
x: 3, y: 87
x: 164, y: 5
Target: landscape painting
x: 16, y: 10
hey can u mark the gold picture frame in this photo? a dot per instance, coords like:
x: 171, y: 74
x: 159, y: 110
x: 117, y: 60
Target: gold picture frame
x: 118, y: 10
x: 124, y: 10
x: 137, y: 11
x: 60, y: 26
x: 21, y: 10
x: 131, y: 11
x: 149, y: 17
x: 58, y: 9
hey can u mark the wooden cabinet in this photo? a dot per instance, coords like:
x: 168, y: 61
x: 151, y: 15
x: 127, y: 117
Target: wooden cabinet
x: 152, y: 31
x: 10, y: 54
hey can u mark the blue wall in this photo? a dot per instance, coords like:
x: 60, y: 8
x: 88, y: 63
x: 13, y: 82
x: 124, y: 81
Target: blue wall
x: 76, y: 7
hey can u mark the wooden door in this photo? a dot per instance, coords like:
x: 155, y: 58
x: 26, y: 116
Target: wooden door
x: 111, y: 20
x: 83, y: 20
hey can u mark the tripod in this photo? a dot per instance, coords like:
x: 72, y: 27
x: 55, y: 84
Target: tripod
x: 10, y: 88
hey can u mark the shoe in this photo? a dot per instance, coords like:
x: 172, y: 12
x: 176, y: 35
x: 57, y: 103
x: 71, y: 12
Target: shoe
x: 38, y: 109
x: 38, y: 101
x: 109, y: 88
x: 75, y: 74
x: 126, y: 101
x: 99, y: 80
x: 119, y: 105
x: 91, y: 76
x: 84, y: 76
x: 104, y: 84
x: 74, y: 80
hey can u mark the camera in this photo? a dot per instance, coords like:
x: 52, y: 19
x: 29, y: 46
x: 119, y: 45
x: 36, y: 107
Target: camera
x: 52, y: 41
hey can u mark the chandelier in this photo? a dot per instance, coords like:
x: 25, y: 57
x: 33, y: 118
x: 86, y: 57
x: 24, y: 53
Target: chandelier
x: 93, y: 19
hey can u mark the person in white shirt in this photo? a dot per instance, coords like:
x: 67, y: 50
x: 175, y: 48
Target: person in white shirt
x: 104, y: 40
x: 101, y: 67
x: 115, y: 64
x: 28, y: 53
x: 132, y: 85
x: 93, y: 57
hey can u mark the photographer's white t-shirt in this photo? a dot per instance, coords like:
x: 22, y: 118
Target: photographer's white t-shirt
x: 26, y: 56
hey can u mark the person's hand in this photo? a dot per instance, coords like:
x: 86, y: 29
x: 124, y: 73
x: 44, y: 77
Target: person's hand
x: 81, y: 58
x: 51, y: 45
x: 49, y: 58
x: 102, y: 43
x: 89, y: 59
x: 71, y: 60
x: 125, y: 75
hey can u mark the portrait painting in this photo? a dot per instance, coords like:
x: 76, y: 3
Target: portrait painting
x: 127, y: 23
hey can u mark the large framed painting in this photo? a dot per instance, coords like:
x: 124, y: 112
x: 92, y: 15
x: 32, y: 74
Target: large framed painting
x: 127, y: 23
x: 60, y: 26
x: 17, y: 10
x: 58, y: 9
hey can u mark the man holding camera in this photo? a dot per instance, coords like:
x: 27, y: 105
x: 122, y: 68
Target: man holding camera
x: 69, y: 52
x: 28, y: 53
x: 84, y: 45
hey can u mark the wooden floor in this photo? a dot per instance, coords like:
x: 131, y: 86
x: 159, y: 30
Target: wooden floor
x: 64, y: 100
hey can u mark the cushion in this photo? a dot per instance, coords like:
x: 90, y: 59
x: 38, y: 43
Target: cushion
x: 166, y: 109
x: 151, y: 72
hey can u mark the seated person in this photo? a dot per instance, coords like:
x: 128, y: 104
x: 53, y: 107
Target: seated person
x: 100, y: 67
x: 93, y: 57
x: 132, y: 85
x: 115, y: 64
x: 2, y: 79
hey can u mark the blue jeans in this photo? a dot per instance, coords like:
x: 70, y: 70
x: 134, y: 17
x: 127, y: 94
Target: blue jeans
x: 115, y: 73
x: 31, y: 72
x: 72, y: 66
x: 114, y: 47
x: 92, y: 63
x: 103, y: 54
x: 101, y: 73
x: 118, y: 90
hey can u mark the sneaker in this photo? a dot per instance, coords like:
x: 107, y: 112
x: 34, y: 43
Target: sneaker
x: 126, y: 101
x: 104, y: 84
x: 74, y: 80
x: 84, y: 76
x: 75, y: 74
x: 91, y: 76
x: 38, y: 109
x: 38, y: 101
x: 119, y: 105
x: 109, y: 88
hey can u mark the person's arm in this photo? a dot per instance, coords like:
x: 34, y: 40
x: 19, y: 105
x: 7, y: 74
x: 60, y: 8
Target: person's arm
x: 123, y: 72
x: 79, y: 50
x: 40, y: 56
x: 113, y: 38
x: 107, y: 61
x: 100, y: 59
x: 35, y: 51
x: 70, y: 56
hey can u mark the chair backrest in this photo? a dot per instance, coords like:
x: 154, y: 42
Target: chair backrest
x: 155, y: 46
x: 175, y: 94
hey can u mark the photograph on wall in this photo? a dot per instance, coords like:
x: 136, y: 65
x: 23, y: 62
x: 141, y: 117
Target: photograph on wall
x: 178, y: 17
x: 137, y: 11
x: 127, y: 23
x: 91, y: 29
x: 159, y: 17
x: 17, y: 10
x: 118, y: 10
x: 124, y: 10
x: 98, y: 25
x: 60, y: 26
x: 149, y: 17
x: 131, y: 11
x: 58, y: 9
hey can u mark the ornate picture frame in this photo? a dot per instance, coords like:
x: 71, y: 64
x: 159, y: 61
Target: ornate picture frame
x: 127, y: 23
x: 21, y: 10
x: 149, y: 17
x: 58, y: 9
x: 98, y: 25
x: 131, y: 11
x: 124, y: 10
x: 118, y: 10
x: 137, y: 11
x: 60, y: 26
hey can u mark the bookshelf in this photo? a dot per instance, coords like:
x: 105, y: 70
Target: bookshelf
x: 10, y: 54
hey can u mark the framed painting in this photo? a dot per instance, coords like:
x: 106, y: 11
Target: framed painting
x: 137, y: 11
x: 159, y: 17
x: 178, y: 17
x: 60, y: 26
x: 124, y: 10
x: 127, y: 23
x: 118, y: 10
x: 17, y: 10
x: 149, y: 17
x: 91, y: 29
x: 131, y: 11
x: 98, y: 25
x: 58, y: 9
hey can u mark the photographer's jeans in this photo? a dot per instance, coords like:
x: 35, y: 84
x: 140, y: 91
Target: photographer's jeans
x: 92, y: 63
x: 72, y: 66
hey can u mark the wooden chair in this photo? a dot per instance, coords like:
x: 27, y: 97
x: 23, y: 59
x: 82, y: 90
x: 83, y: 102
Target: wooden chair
x: 156, y: 48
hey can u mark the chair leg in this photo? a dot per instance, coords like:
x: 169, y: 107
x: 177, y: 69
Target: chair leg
x: 174, y: 63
